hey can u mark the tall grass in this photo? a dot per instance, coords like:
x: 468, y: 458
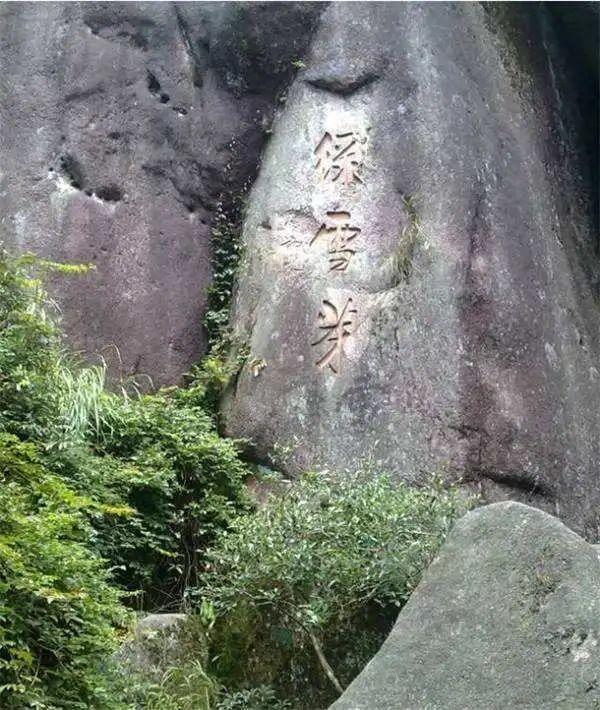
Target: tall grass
x: 80, y: 394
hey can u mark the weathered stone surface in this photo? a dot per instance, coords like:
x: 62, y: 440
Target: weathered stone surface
x: 155, y: 645
x: 507, y: 616
x: 474, y: 346
x: 121, y: 127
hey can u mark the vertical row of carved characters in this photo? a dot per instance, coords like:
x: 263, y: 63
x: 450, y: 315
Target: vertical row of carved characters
x: 339, y: 158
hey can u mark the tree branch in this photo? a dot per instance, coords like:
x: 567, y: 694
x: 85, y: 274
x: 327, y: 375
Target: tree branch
x: 323, y: 661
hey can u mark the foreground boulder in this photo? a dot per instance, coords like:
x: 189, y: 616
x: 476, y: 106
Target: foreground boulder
x: 508, y: 616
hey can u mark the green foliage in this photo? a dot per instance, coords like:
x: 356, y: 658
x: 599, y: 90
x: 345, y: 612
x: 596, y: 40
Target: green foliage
x: 163, y: 457
x: 79, y: 394
x: 58, y: 611
x: 262, y: 697
x: 99, y: 493
x: 183, y: 687
x: 217, y: 370
x: 60, y: 616
x: 36, y: 387
x: 227, y: 354
x: 319, y: 571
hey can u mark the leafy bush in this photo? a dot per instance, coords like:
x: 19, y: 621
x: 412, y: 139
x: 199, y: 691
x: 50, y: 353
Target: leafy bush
x: 305, y: 590
x: 162, y: 455
x: 99, y: 492
x: 41, y: 398
x: 60, y: 615
x: 156, y: 462
x: 58, y: 611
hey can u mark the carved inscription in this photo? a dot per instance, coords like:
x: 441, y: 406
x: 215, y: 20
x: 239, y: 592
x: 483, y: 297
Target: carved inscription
x: 335, y: 326
x: 339, y: 156
x: 339, y: 159
x: 340, y: 236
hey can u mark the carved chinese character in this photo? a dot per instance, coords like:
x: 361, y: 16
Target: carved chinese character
x: 341, y: 155
x: 340, y: 237
x: 335, y: 325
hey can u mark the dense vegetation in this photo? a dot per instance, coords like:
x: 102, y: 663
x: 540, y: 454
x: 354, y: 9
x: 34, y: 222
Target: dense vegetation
x: 115, y: 502
x: 100, y: 494
x: 304, y: 591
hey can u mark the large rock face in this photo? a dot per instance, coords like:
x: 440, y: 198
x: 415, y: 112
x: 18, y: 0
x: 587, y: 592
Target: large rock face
x: 508, y: 616
x: 420, y: 282
x: 122, y: 125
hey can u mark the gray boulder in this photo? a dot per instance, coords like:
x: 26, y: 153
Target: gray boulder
x: 420, y: 285
x: 123, y: 127
x: 155, y: 646
x: 507, y: 616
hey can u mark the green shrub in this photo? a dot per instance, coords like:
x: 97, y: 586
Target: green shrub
x: 99, y: 492
x: 165, y: 479
x: 306, y: 589
x: 162, y: 455
x: 40, y: 396
x: 59, y: 615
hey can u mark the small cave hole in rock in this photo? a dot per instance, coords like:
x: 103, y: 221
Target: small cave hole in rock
x: 164, y: 98
x: 153, y: 83
x: 72, y: 171
x: 109, y: 193
x: 115, y: 135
